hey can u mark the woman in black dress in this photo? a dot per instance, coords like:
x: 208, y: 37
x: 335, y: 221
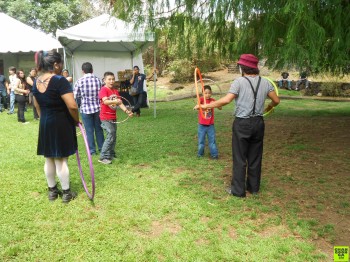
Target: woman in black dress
x: 58, y: 112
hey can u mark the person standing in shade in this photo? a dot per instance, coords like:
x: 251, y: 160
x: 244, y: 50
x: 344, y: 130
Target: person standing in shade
x: 59, y: 115
x: 11, y: 88
x: 30, y: 82
x: 3, y: 92
x: 249, y: 92
x: 137, y: 81
x: 86, y: 89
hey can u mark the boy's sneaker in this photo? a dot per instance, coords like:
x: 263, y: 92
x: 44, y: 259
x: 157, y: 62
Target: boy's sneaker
x: 105, y: 161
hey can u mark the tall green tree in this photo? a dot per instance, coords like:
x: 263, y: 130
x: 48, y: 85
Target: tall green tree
x: 309, y: 34
x: 48, y: 15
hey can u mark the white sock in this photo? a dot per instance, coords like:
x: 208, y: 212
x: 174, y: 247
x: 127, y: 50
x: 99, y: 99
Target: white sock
x: 50, y: 172
x: 62, y: 171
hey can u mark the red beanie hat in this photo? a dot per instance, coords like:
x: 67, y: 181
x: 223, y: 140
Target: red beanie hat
x: 248, y: 60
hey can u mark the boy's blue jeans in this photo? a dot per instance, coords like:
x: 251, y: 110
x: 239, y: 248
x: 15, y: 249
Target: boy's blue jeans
x: 280, y: 83
x: 108, y: 148
x: 12, y: 102
x: 204, y: 130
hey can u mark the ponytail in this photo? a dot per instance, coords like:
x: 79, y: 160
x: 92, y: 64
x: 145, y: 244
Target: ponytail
x: 45, y: 60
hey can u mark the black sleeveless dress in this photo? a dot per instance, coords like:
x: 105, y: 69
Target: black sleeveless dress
x: 57, y: 131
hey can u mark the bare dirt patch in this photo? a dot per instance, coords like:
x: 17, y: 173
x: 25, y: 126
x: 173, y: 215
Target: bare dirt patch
x: 306, y: 174
x: 232, y: 233
x: 159, y: 227
x: 307, y: 166
x: 275, y: 230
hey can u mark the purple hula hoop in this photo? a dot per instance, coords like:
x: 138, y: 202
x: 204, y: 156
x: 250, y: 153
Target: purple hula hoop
x: 92, y: 194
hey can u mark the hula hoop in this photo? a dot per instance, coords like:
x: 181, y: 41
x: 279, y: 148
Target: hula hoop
x: 197, y: 71
x: 113, y: 97
x: 92, y: 194
x: 276, y: 90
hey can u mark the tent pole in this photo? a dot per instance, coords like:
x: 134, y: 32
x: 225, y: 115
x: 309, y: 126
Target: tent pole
x: 155, y: 75
x: 65, y: 58
x: 73, y: 65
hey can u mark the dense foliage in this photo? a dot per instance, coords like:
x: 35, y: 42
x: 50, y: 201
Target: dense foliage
x: 313, y: 35
x: 48, y: 15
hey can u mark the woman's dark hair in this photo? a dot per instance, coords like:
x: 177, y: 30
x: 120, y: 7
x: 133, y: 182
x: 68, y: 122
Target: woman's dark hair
x: 23, y: 79
x: 108, y: 74
x: 249, y: 70
x: 45, y: 60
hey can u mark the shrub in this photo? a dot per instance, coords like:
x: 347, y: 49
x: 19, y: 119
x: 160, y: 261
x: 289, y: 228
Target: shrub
x: 208, y: 64
x: 182, y: 70
x: 332, y: 89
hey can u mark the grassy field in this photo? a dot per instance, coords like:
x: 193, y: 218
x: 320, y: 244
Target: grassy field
x: 156, y: 202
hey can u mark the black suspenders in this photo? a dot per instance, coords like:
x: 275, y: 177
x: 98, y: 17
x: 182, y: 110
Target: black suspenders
x: 254, y: 92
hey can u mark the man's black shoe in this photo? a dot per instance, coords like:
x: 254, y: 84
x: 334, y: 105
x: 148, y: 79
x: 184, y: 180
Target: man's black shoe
x: 254, y: 194
x: 228, y: 190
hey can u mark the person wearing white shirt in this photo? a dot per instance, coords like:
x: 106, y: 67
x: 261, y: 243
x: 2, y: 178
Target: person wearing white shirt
x: 14, y: 81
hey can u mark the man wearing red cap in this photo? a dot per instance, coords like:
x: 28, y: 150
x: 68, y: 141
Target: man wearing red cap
x: 250, y: 92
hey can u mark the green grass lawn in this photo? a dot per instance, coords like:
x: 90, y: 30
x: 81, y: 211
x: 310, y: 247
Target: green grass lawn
x: 156, y: 202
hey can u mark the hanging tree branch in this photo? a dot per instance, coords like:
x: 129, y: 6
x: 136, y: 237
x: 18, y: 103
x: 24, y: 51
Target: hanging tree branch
x: 301, y: 33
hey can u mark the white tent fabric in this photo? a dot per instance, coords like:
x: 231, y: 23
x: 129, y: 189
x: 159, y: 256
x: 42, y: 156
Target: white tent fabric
x: 104, y: 33
x: 108, y: 43
x: 19, y: 37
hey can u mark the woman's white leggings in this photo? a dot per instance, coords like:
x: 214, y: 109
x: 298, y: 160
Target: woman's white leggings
x: 57, y: 166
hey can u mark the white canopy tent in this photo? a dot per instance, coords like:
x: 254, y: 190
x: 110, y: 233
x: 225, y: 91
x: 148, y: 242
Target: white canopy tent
x: 108, y: 43
x: 19, y: 42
